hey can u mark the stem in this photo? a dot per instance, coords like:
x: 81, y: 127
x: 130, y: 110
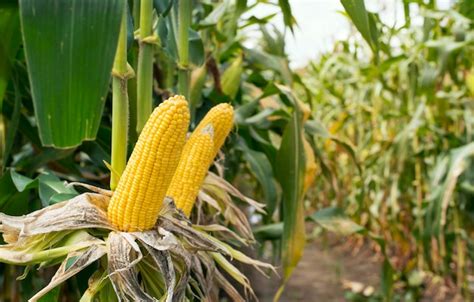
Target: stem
x: 132, y: 85
x: 145, y: 65
x: 94, y: 287
x: 184, y: 15
x: 2, y: 144
x: 183, y: 83
x: 419, y: 203
x: 119, y: 106
x: 461, y: 256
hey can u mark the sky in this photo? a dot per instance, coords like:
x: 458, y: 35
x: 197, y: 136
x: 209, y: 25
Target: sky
x: 320, y: 23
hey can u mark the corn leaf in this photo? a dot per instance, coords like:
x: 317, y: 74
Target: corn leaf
x: 261, y: 168
x: 335, y: 220
x: 11, y: 39
x: 70, y: 47
x: 290, y: 169
x: 288, y: 18
x: 363, y: 21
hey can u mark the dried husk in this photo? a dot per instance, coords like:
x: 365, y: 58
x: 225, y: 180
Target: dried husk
x: 187, y: 258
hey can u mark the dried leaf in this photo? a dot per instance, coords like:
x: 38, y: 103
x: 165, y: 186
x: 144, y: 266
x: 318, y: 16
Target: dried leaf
x: 165, y: 264
x: 228, y: 288
x: 213, y: 179
x: 122, y: 272
x: 83, y: 211
x: 66, y: 270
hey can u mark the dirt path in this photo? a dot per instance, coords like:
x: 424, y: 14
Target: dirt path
x: 321, y: 273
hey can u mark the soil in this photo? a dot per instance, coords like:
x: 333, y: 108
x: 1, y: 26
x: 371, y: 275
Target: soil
x: 331, y: 268
x: 325, y: 272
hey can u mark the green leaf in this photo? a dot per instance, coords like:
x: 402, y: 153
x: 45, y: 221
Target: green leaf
x: 260, y: 117
x: 272, y: 231
x: 349, y: 150
x: 23, y: 183
x: 288, y: 18
x: 7, y: 189
x: 13, y: 126
x: 217, y: 14
x: 466, y: 7
x: 196, y: 48
x: 12, y: 202
x: 11, y: 39
x: 290, y: 169
x: 445, y: 185
x: 18, y: 204
x: 265, y: 61
x: 162, y: 7
x: 51, y: 188
x: 387, y: 280
x: 168, y: 36
x: 70, y: 47
x: 336, y: 221
x: 315, y: 127
x: 244, y: 111
x: 262, y: 169
x: 96, y: 153
x: 58, y: 197
x: 363, y: 21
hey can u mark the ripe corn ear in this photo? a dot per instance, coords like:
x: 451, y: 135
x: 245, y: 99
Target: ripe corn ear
x: 136, y: 203
x: 196, y: 158
x: 221, y: 117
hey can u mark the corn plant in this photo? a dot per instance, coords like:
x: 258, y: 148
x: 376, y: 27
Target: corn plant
x: 400, y: 98
x: 59, y: 118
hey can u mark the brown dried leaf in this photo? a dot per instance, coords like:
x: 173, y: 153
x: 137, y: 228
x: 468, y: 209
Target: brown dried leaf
x: 221, y: 229
x: 228, y: 287
x: 213, y: 179
x: 159, y: 238
x: 87, y: 210
x: 165, y: 264
x: 192, y: 237
x: 81, y: 260
x: 122, y: 272
x: 92, y: 188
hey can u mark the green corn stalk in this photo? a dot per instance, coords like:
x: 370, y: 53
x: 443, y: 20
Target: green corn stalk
x: 2, y: 143
x: 198, y: 79
x: 184, y: 19
x: 132, y: 85
x: 145, y: 64
x: 120, y: 114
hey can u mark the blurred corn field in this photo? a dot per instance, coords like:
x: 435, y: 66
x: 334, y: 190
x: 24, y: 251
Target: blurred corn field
x: 402, y: 99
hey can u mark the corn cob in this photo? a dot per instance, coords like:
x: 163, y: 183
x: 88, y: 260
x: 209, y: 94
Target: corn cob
x: 196, y: 158
x: 137, y: 201
x: 221, y: 117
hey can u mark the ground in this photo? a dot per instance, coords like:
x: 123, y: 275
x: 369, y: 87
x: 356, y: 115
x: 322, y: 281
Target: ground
x: 331, y: 267
x: 324, y: 271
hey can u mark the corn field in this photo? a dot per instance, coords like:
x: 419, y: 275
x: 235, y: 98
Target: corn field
x: 167, y: 150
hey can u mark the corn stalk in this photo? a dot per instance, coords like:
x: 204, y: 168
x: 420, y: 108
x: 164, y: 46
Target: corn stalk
x: 145, y: 64
x: 184, y: 16
x: 120, y: 106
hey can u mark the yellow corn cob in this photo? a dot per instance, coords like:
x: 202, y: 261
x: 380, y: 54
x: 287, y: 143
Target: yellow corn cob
x: 196, y: 158
x: 221, y: 117
x: 137, y: 201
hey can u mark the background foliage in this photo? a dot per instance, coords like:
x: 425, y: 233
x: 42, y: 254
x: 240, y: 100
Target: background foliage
x: 401, y: 96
